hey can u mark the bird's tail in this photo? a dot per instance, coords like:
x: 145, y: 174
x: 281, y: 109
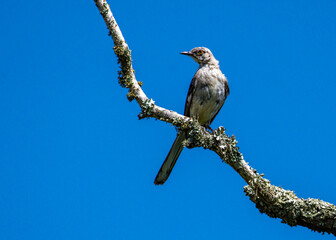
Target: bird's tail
x: 170, y: 160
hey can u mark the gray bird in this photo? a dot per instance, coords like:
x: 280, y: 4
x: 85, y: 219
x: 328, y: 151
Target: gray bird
x: 207, y: 93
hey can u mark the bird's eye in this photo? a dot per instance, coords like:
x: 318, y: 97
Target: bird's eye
x: 200, y: 52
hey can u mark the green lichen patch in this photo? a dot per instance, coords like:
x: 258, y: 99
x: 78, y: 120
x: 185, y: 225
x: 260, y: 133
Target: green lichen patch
x: 277, y: 202
x: 147, y: 109
x: 130, y: 96
x: 125, y: 61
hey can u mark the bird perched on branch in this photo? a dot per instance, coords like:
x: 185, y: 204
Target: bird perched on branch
x: 207, y: 93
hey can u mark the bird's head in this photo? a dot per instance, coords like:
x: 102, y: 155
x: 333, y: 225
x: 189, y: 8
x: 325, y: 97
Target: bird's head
x: 201, y: 55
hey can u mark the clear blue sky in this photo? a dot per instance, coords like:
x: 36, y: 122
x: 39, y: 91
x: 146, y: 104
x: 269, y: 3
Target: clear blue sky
x: 76, y: 163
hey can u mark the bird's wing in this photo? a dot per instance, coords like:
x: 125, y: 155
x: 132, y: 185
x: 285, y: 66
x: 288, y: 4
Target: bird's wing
x: 226, y: 93
x: 191, y: 93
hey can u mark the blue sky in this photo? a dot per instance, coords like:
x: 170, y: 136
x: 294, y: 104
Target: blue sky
x: 76, y: 163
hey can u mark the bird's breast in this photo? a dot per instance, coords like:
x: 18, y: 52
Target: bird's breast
x: 209, y: 95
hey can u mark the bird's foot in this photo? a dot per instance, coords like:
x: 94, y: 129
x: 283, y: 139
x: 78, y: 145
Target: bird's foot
x: 209, y: 129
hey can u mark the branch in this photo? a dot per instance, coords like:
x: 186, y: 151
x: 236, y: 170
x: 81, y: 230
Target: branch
x: 276, y: 202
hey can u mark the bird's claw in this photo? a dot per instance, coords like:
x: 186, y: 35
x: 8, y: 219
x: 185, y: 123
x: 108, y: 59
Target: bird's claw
x: 209, y: 129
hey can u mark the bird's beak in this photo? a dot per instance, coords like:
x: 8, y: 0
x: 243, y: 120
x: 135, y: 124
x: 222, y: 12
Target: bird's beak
x: 186, y: 53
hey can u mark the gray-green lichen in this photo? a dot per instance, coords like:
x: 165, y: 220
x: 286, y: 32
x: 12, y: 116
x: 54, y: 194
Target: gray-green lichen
x: 147, y: 109
x: 105, y: 11
x: 277, y: 202
x: 125, y: 61
x: 226, y: 147
x: 120, y: 47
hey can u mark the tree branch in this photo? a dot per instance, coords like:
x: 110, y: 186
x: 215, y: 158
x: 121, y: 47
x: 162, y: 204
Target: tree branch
x: 276, y: 202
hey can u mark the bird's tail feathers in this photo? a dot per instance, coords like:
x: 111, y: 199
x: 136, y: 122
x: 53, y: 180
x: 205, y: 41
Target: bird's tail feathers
x: 170, y: 160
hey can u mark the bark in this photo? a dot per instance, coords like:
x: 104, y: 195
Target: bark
x: 276, y: 202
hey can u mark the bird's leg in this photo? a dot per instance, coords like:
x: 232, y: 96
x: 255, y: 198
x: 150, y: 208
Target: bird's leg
x: 209, y: 128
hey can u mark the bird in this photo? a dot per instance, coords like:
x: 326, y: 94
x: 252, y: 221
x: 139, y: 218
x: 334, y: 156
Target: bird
x: 207, y: 93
